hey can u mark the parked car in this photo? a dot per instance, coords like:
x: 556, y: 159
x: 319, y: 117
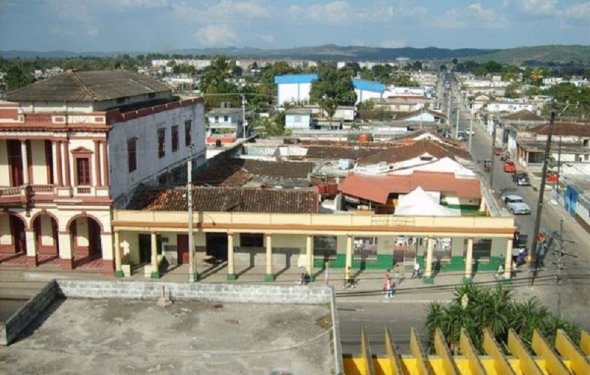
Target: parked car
x: 505, y: 156
x: 516, y: 205
x: 521, y: 179
x: 509, y: 166
x: 498, y: 151
x: 552, y: 177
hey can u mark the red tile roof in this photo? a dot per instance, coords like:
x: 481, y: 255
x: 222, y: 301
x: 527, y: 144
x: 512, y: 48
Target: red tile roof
x: 378, y: 188
x: 228, y: 200
x: 564, y: 128
x: 410, y: 149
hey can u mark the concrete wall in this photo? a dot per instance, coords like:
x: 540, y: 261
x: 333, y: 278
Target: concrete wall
x: 295, y: 294
x: 27, y: 313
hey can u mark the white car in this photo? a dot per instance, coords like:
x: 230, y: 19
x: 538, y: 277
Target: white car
x: 516, y: 205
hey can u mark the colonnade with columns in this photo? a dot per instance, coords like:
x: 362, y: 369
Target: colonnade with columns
x: 63, y: 163
x: 308, y: 254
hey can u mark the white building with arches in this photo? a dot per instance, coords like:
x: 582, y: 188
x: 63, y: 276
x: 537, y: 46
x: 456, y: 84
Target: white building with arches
x: 72, y: 147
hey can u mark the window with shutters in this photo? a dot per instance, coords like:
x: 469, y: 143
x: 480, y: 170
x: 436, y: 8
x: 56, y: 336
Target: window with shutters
x: 161, y: 143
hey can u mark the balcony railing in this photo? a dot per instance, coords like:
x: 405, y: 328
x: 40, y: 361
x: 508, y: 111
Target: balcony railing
x: 23, y: 193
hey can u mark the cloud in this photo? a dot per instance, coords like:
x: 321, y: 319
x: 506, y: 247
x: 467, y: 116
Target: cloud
x: 580, y: 11
x: 538, y: 7
x: 223, y: 10
x: 334, y: 12
x: 142, y: 3
x: 266, y: 38
x: 393, y: 43
x: 77, y: 12
x: 216, y: 35
x: 473, y: 15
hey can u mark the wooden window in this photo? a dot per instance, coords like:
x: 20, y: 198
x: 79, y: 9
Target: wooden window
x: 161, y: 143
x: 132, y: 154
x: 83, y: 171
x: 188, y: 126
x: 174, y: 138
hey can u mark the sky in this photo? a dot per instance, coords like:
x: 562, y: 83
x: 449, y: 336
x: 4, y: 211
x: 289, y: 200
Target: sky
x: 167, y: 25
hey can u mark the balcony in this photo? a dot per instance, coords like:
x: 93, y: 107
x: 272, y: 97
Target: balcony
x: 25, y: 194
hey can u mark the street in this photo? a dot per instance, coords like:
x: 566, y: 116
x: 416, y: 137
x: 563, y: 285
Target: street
x: 569, y: 298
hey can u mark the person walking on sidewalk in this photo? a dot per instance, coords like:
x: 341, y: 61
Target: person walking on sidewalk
x: 388, y: 284
x: 416, y: 272
x: 349, y: 278
x: 397, y: 273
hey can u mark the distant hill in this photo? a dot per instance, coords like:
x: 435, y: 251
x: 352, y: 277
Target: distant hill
x: 518, y: 56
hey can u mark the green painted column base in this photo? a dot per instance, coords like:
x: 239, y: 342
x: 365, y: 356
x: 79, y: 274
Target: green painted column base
x: 467, y: 280
x: 232, y: 277
x: 310, y: 278
x: 119, y: 274
x: 196, y: 276
x: 428, y: 279
x: 155, y: 275
x: 269, y: 277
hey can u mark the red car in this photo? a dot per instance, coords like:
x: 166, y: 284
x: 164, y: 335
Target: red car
x: 509, y: 166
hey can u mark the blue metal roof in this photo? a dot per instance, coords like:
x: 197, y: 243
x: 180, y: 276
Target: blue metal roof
x: 365, y: 85
x: 296, y: 78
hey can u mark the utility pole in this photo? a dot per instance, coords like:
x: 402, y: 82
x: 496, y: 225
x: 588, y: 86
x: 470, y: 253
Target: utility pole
x: 457, y: 121
x: 493, y: 153
x: 470, y: 130
x: 244, y: 115
x: 534, y: 260
x: 192, y: 274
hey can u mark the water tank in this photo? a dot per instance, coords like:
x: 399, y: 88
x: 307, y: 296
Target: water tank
x: 364, y: 138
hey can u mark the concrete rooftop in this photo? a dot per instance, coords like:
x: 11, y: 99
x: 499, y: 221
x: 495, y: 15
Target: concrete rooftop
x: 109, y: 336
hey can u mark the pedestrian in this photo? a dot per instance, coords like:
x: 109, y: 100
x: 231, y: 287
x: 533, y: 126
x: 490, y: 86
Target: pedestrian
x: 500, y: 270
x: 302, y: 275
x: 389, y: 288
x: 349, y: 278
x: 416, y: 272
x: 388, y: 284
x: 397, y: 272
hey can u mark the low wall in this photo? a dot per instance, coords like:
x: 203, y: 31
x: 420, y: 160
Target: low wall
x: 27, y: 313
x: 198, y: 291
x: 238, y: 293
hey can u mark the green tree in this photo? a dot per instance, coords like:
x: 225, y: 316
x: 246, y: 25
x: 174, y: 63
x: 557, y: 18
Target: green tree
x: 215, y: 82
x: 15, y: 78
x: 332, y: 84
x: 271, y: 126
x: 475, y: 307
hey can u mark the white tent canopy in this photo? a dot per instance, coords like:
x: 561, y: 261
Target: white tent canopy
x: 420, y: 203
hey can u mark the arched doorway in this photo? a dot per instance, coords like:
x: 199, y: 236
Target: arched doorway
x: 86, y: 242
x: 16, y: 245
x: 46, y: 238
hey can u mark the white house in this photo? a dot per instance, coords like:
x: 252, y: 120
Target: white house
x: 367, y: 90
x: 73, y: 145
x: 294, y: 88
x: 298, y: 118
x: 225, y: 125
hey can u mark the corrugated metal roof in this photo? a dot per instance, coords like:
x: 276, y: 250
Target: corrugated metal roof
x: 363, y: 84
x: 296, y: 78
x: 88, y: 86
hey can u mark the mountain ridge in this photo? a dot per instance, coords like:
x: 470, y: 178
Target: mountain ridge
x: 517, y: 55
